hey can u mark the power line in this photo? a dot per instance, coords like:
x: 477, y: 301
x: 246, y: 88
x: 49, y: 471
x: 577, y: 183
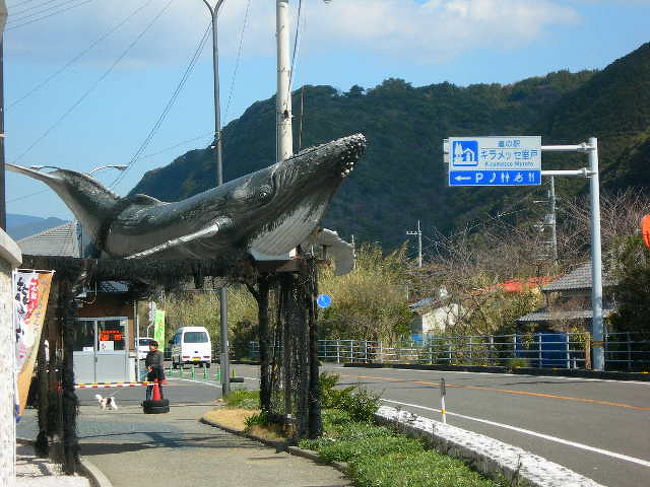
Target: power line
x: 167, y: 108
x: 295, y: 44
x: 18, y: 198
x: 239, y: 55
x: 97, y: 82
x: 183, y: 142
x: 18, y: 11
x: 12, y: 27
x: 79, y: 55
x: 20, y: 3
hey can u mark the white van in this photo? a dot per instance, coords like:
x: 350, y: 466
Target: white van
x: 191, y: 345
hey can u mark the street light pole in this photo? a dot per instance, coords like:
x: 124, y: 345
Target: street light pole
x: 119, y: 167
x: 217, y: 146
x: 417, y: 233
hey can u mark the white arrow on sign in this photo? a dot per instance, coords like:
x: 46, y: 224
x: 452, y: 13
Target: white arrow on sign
x: 463, y: 178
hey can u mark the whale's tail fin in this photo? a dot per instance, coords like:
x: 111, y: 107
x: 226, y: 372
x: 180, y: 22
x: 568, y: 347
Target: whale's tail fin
x: 90, y: 202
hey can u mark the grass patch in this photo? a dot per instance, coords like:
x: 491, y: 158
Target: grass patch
x: 242, y: 399
x: 425, y: 468
x: 380, y: 457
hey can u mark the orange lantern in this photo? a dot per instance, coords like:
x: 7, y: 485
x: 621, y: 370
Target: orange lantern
x: 645, y: 230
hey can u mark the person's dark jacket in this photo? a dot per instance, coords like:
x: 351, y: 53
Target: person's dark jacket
x: 154, y: 360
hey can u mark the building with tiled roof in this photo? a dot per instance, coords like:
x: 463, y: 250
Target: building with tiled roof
x: 568, y: 300
x: 61, y: 241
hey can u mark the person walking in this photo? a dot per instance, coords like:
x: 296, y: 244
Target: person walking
x: 155, y: 370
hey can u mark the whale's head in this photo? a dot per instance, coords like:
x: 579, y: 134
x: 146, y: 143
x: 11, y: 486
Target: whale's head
x: 298, y: 191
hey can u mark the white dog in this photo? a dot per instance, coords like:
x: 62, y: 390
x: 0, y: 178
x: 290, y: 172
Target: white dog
x: 106, y: 402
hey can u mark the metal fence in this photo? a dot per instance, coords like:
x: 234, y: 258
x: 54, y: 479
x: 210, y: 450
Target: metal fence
x: 623, y: 351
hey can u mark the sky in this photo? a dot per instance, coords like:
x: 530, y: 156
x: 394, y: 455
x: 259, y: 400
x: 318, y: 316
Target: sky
x: 86, y: 81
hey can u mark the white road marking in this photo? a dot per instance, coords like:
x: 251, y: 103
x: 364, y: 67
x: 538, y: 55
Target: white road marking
x: 205, y: 383
x: 555, y: 439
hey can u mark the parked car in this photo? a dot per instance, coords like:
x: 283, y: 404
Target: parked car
x: 191, y: 345
x: 143, y: 347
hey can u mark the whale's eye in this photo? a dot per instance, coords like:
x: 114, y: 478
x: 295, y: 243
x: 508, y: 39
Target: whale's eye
x: 264, y: 192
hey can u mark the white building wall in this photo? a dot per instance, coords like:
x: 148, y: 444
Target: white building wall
x: 9, y: 258
x: 437, y: 320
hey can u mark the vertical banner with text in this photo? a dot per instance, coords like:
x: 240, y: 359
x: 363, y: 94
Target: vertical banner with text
x: 31, y: 291
x: 159, y: 329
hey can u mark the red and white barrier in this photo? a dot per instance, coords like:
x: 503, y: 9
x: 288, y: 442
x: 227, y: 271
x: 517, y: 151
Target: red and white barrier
x: 108, y: 385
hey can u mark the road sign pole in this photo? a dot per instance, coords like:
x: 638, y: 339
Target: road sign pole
x: 597, y: 328
x: 597, y: 325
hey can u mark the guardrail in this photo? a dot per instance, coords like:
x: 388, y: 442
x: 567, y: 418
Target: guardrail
x: 623, y: 351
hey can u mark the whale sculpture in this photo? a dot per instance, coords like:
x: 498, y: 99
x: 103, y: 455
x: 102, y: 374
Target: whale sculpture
x: 266, y: 213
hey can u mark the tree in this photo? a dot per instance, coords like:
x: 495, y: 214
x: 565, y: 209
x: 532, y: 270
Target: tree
x: 370, y: 302
x: 632, y: 293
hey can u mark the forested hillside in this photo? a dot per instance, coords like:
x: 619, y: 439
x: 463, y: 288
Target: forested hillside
x: 402, y: 178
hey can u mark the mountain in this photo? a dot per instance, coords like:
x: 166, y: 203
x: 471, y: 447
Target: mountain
x: 21, y: 226
x: 402, y: 178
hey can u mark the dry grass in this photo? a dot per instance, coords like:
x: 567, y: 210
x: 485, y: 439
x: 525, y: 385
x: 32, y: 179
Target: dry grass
x: 236, y: 419
x: 232, y: 418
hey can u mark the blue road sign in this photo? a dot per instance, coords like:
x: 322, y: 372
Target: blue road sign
x: 494, y: 178
x: 324, y: 300
x: 494, y: 161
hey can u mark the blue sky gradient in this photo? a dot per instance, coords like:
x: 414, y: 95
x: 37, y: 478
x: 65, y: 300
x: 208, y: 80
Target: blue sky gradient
x: 342, y: 43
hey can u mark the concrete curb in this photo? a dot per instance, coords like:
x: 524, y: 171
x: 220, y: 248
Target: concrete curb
x: 585, y: 374
x: 280, y: 446
x: 94, y: 474
x: 491, y: 457
x: 87, y: 469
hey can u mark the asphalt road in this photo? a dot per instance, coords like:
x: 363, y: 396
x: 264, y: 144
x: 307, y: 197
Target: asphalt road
x: 598, y: 428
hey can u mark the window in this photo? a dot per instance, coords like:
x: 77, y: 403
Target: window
x: 196, y: 337
x: 110, y: 335
x: 144, y: 342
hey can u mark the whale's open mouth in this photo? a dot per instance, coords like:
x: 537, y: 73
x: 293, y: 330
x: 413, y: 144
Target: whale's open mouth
x: 355, y: 146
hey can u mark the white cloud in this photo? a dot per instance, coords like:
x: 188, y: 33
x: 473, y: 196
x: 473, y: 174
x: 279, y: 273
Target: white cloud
x: 424, y: 31
x: 436, y: 30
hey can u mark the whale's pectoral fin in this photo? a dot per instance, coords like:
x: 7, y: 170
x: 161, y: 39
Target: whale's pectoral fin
x: 334, y: 247
x: 178, y: 244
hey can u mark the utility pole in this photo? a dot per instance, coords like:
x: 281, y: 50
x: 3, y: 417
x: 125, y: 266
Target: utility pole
x: 417, y: 233
x: 284, y: 132
x: 550, y: 221
x: 3, y: 206
x: 553, y: 222
x: 217, y: 146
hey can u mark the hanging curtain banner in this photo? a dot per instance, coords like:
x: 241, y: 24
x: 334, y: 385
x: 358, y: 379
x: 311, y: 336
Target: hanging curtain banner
x: 159, y: 329
x: 31, y: 291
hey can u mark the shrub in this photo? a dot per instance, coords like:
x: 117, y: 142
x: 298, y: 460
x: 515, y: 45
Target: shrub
x: 243, y: 399
x: 359, y: 403
x: 259, y: 419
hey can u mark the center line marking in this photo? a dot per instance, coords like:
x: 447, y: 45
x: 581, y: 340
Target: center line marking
x: 504, y: 391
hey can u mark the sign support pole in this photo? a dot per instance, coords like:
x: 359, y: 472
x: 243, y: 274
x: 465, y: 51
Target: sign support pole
x: 597, y: 328
x: 597, y: 323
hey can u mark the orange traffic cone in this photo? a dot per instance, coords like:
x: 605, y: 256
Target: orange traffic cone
x: 155, y: 396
